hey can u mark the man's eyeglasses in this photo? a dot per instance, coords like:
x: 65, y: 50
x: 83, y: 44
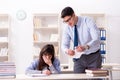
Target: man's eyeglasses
x: 68, y: 19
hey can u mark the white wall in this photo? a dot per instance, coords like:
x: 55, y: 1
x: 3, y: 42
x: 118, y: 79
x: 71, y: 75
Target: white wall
x: 21, y: 39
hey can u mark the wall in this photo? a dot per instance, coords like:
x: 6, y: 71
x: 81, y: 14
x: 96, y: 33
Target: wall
x: 21, y: 36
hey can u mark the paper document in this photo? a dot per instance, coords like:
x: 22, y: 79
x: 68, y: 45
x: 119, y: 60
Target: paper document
x: 37, y: 75
x: 77, y: 54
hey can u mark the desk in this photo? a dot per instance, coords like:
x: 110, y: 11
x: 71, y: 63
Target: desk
x: 57, y: 77
x: 111, y: 67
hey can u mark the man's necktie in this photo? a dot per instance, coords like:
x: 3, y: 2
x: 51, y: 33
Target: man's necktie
x: 75, y: 37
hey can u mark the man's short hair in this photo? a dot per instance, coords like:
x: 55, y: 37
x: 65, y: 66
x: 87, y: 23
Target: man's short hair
x: 67, y: 11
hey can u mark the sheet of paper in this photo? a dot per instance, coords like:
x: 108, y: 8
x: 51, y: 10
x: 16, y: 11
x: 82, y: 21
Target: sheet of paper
x: 77, y: 54
x: 37, y: 75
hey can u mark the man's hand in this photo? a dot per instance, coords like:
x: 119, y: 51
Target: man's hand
x: 80, y: 48
x: 71, y: 52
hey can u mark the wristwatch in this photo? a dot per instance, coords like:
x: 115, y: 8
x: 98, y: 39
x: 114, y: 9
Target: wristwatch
x: 87, y: 47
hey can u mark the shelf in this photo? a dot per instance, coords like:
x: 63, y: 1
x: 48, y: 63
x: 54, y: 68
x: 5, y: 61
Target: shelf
x: 42, y: 28
x: 45, y: 31
x: 99, y: 18
x: 3, y: 58
x: 3, y: 42
x: 46, y: 28
x: 45, y: 20
x: 45, y: 14
x: 37, y: 56
x: 4, y: 36
x: 93, y: 14
x: 41, y: 44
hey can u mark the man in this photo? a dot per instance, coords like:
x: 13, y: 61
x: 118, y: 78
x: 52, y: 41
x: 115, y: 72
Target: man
x: 87, y: 42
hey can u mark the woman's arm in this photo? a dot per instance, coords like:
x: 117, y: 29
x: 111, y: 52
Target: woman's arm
x: 55, y: 67
x: 32, y: 68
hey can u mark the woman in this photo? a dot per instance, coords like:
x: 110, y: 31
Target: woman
x: 47, y: 63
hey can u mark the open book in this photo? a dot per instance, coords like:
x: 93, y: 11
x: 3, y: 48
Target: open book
x: 34, y: 73
x: 37, y: 75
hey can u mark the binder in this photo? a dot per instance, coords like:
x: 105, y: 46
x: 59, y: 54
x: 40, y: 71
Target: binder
x: 102, y: 34
x: 102, y: 48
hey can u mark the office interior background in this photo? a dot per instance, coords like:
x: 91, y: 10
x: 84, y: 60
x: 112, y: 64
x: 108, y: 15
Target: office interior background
x: 21, y: 31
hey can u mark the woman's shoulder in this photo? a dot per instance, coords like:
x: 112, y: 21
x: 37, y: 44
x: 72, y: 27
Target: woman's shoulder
x: 56, y: 60
x: 35, y: 61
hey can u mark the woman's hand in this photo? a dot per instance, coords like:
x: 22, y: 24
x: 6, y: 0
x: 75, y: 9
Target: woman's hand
x: 46, y: 72
x: 47, y: 59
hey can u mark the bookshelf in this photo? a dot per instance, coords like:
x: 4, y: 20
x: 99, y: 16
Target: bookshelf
x: 46, y: 31
x: 4, y: 36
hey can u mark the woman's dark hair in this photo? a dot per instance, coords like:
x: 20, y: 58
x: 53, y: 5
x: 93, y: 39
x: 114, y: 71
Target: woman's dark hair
x: 67, y: 11
x: 47, y: 49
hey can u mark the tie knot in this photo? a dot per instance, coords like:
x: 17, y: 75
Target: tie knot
x: 75, y: 30
x: 75, y: 25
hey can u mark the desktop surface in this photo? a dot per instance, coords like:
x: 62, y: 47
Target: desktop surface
x: 59, y: 77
